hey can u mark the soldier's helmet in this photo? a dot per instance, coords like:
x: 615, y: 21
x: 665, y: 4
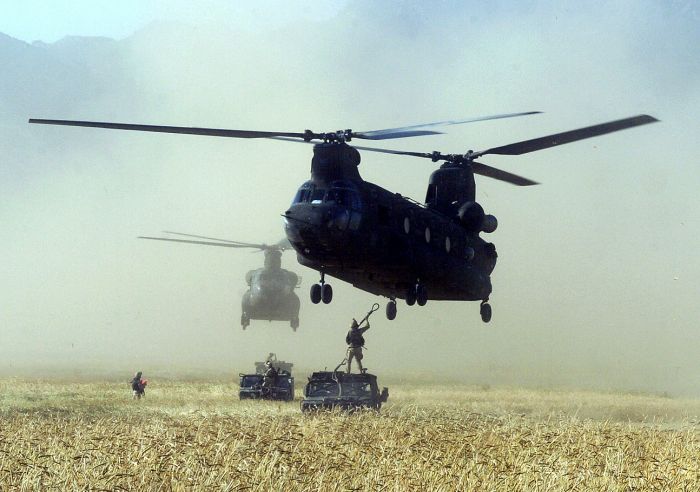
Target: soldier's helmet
x: 354, y: 324
x: 138, y: 375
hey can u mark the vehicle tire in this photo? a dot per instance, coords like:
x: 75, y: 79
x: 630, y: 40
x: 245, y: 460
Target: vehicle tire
x: 391, y: 310
x: 411, y: 296
x: 485, y: 311
x: 316, y: 293
x: 421, y: 295
x: 326, y: 293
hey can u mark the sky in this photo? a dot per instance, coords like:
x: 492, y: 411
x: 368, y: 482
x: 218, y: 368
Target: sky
x: 595, y: 282
x: 50, y: 21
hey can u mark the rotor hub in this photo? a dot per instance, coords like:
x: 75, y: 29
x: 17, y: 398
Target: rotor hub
x: 338, y: 136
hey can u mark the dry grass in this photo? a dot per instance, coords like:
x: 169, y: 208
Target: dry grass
x: 186, y: 436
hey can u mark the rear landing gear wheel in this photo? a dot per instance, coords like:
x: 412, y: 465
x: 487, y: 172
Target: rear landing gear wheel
x: 421, y: 295
x: 485, y: 311
x: 316, y: 293
x: 411, y: 296
x: 326, y: 293
x: 391, y: 310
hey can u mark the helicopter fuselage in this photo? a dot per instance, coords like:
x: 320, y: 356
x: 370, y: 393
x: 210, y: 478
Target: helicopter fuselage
x: 379, y: 241
x: 271, y: 295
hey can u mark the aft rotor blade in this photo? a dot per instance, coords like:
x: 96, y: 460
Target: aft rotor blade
x: 396, y: 152
x: 212, y: 132
x: 567, y: 137
x: 206, y: 243
x: 492, y: 172
x: 250, y: 245
x: 404, y: 131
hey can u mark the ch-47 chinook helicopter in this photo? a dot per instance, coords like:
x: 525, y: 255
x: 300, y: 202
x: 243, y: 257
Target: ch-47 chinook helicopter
x: 385, y: 243
x: 270, y: 295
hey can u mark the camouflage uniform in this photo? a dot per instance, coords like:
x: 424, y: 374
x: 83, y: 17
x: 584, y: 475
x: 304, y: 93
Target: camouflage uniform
x: 269, y: 378
x: 355, y: 342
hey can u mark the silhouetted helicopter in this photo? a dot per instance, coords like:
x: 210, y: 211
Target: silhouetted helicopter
x: 270, y: 295
x: 385, y: 243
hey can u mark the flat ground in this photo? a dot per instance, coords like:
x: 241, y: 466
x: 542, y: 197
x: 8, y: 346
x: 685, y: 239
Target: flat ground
x: 197, y: 435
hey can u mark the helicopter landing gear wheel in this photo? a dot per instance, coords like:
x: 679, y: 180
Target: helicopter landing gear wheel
x: 391, y: 310
x: 421, y: 295
x: 294, y: 323
x: 485, y: 311
x: 411, y: 296
x: 316, y: 293
x: 245, y: 321
x: 326, y: 293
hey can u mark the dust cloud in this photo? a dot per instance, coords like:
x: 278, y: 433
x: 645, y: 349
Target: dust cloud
x: 595, y: 285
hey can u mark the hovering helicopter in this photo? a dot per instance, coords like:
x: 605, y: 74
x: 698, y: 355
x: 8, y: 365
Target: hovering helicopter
x: 380, y: 241
x: 270, y: 295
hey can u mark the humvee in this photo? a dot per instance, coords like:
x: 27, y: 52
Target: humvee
x: 334, y: 389
x: 251, y: 387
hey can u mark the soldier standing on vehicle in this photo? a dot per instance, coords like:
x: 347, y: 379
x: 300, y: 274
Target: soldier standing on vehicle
x: 355, y: 342
x: 269, y: 378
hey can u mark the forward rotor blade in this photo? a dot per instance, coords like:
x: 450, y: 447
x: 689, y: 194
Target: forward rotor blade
x: 401, y: 132
x: 387, y: 134
x: 250, y: 245
x: 206, y: 243
x: 212, y: 132
x: 567, y: 137
x: 492, y: 172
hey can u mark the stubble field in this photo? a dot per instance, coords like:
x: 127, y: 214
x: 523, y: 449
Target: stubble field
x: 198, y: 436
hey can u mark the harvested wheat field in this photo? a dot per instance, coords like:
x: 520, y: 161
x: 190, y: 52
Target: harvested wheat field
x: 198, y: 436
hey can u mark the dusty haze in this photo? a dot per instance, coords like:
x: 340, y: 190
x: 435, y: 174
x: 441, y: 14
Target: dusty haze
x: 596, y: 284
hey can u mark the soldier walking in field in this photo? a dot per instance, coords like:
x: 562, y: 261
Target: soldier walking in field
x: 138, y: 386
x: 355, y: 342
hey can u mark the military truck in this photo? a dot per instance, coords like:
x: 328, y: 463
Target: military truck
x: 348, y: 392
x: 251, y: 387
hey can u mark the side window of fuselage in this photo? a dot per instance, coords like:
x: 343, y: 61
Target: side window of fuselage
x: 344, y: 197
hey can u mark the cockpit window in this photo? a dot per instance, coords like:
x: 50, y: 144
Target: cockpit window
x: 250, y: 381
x: 341, y: 192
x: 304, y: 193
x: 317, y: 195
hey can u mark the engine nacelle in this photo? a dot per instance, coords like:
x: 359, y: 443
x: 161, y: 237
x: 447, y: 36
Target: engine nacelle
x: 471, y: 216
x: 489, y: 224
